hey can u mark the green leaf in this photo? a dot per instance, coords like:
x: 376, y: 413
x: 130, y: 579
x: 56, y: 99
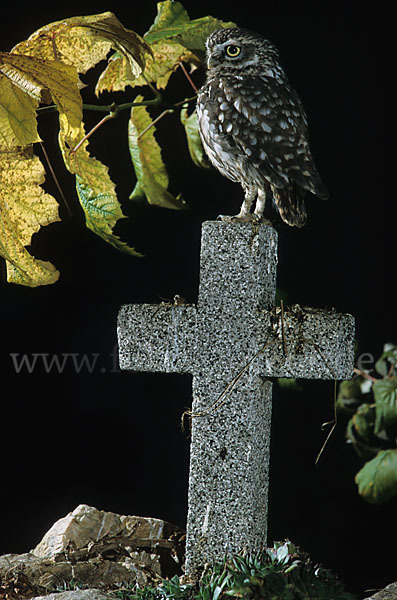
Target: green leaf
x: 172, y: 22
x: 102, y: 209
x: 170, y: 16
x: 364, y: 450
x: 194, y: 143
x: 388, y: 358
x: 364, y: 420
x: 350, y: 393
x: 150, y: 170
x: 377, y: 480
x: 95, y: 190
x: 385, y: 393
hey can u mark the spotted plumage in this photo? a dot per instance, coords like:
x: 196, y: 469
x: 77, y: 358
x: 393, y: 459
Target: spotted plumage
x: 253, y: 125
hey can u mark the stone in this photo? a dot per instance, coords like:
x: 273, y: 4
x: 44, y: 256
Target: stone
x: 388, y: 593
x: 97, y: 549
x: 101, y: 530
x: 77, y: 595
x: 232, y: 341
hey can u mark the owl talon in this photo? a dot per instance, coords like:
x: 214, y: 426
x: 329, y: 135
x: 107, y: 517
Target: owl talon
x: 263, y: 221
x: 246, y: 218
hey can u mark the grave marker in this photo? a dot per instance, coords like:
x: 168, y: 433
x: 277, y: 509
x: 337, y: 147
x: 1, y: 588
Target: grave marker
x: 231, y: 342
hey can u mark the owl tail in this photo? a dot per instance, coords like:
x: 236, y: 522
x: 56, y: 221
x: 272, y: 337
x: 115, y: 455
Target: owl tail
x: 309, y: 179
x: 290, y: 204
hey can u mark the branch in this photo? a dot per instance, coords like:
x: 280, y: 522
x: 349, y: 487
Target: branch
x: 110, y: 108
x: 364, y: 374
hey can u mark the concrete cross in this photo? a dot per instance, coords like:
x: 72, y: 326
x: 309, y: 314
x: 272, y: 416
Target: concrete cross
x: 232, y: 341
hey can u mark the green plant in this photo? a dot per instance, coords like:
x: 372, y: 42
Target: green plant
x: 169, y: 589
x: 282, y: 572
x: 372, y: 429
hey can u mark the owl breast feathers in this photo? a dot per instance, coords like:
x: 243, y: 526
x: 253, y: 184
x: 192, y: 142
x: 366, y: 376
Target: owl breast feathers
x: 253, y: 125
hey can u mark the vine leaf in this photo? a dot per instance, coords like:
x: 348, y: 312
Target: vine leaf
x: 150, y: 171
x: 24, y: 208
x: 377, y: 480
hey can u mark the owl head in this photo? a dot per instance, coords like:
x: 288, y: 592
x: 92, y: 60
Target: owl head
x: 240, y: 50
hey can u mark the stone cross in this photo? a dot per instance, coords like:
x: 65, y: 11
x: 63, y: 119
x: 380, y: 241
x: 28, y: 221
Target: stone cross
x: 232, y: 341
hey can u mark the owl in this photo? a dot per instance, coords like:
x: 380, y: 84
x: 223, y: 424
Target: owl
x: 253, y: 126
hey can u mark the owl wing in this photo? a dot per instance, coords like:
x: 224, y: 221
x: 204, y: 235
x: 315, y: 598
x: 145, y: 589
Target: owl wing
x: 269, y: 125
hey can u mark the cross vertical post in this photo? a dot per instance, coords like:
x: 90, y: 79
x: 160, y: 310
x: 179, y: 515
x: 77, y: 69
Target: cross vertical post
x: 231, y: 342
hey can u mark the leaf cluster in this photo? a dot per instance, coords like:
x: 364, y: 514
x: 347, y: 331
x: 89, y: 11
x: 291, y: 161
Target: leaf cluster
x: 282, y: 572
x: 371, y: 403
x: 43, y: 73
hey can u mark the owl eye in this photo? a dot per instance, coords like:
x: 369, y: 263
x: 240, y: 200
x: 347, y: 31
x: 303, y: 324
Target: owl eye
x: 232, y: 50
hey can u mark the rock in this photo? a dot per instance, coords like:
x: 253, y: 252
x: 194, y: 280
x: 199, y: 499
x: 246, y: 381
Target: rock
x: 94, y: 549
x: 389, y: 593
x: 77, y: 595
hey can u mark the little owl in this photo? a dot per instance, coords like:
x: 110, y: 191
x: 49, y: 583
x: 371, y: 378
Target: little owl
x: 253, y: 125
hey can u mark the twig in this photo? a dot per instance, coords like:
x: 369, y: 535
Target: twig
x: 190, y: 80
x: 364, y: 374
x: 47, y: 159
x: 220, y: 401
x: 156, y: 120
x: 282, y: 328
x: 114, y: 108
x: 334, y: 424
x: 97, y: 126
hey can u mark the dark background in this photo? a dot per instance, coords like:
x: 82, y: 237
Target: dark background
x: 113, y: 439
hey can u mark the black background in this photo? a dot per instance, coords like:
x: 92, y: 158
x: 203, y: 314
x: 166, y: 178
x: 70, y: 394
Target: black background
x: 112, y: 439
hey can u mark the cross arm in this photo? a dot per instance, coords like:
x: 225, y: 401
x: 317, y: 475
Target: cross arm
x: 308, y: 343
x: 156, y: 337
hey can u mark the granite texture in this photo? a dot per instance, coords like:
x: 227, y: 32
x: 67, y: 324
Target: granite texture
x: 231, y: 342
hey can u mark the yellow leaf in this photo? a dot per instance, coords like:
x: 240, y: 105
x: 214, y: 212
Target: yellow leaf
x: 116, y: 76
x: 24, y: 208
x: 59, y: 81
x: 84, y: 41
x: 167, y: 54
x: 17, y: 116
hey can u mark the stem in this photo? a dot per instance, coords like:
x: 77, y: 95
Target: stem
x: 114, y: 109
x: 156, y: 120
x: 186, y: 74
x: 110, y: 108
x: 101, y: 122
x: 47, y: 158
x: 364, y: 374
